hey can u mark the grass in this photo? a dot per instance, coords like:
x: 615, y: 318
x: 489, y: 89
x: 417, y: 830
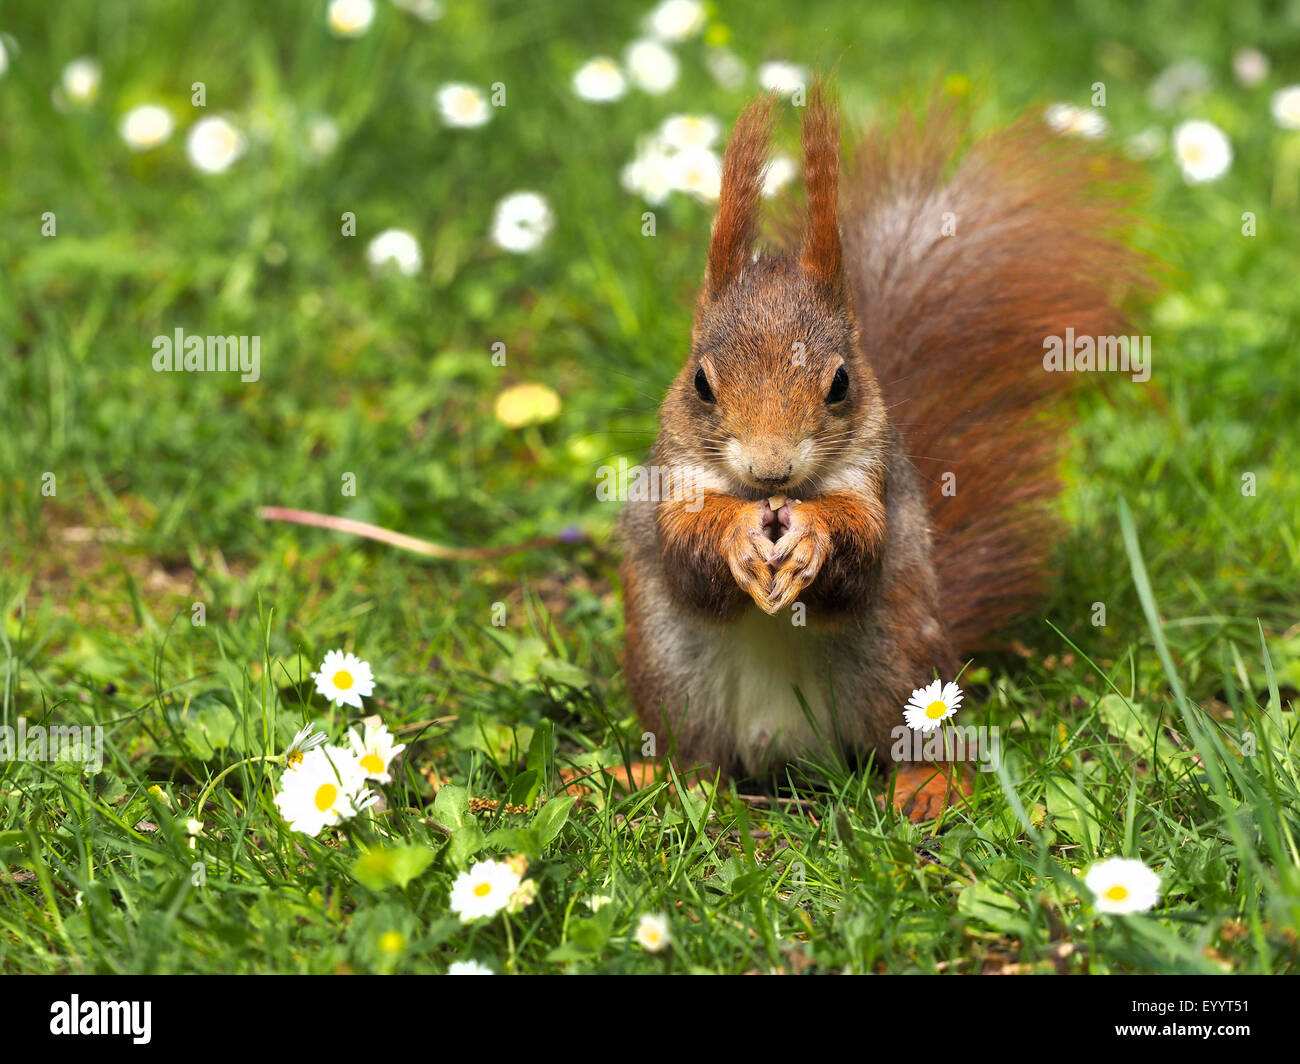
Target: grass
x: 1123, y: 739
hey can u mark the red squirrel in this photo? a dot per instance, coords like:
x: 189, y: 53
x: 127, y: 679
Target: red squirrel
x: 879, y: 379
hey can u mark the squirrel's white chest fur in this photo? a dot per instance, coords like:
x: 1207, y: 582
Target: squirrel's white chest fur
x: 747, y: 683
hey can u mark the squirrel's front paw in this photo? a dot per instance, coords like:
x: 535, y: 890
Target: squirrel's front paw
x: 748, y: 553
x: 797, y: 558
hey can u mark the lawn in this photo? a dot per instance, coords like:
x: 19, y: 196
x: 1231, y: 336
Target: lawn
x: 142, y: 593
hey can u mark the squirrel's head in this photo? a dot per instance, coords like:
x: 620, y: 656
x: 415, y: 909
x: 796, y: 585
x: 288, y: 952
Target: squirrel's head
x: 775, y: 396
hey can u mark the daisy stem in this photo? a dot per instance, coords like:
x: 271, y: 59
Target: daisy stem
x: 198, y: 808
x: 510, y: 942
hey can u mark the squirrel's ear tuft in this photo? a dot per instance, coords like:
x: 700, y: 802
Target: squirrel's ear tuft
x: 820, y: 256
x: 736, y: 224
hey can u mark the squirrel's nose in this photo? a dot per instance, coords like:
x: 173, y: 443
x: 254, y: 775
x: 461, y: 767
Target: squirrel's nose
x: 767, y: 478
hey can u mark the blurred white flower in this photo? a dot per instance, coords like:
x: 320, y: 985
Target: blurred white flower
x: 214, y: 145
x: 484, y: 890
x: 463, y: 106
x: 322, y: 137
x: 398, y: 247
x: 726, y: 68
x: 1286, y: 107
x: 651, y: 66
x: 146, y: 127
x: 1202, y: 150
x: 521, y: 222
x: 650, y: 174
x: 80, y: 80
x: 1146, y: 144
x: 350, y: 18
x: 1122, y: 885
x: 782, y: 78
x: 779, y: 173
x: 469, y: 968
x: 425, y: 10
x: 1176, y: 83
x: 1072, y: 121
x: 599, y: 80
x: 1250, y: 66
x: 4, y: 59
x: 690, y: 131
x: 697, y: 171
x: 676, y: 20
x: 652, y: 932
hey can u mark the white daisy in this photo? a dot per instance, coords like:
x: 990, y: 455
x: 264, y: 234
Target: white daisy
x: 690, y: 131
x: 651, y: 66
x: 306, y: 739
x: 375, y: 749
x: 1180, y: 81
x: 1072, y: 121
x: 726, y: 67
x: 326, y: 788
x: 1146, y: 144
x: 396, y: 247
x: 80, y: 80
x: 1122, y: 885
x: 424, y: 10
x: 783, y: 78
x: 1249, y: 66
x: 598, y: 901
x: 4, y: 59
x: 463, y: 106
x: 1286, y: 107
x: 344, y: 678
x: 214, y: 145
x: 146, y: 127
x: 469, y: 968
x: 322, y: 137
x: 697, y: 171
x: 349, y: 18
x: 1202, y: 150
x: 651, y: 174
x: 779, y: 173
x: 652, y: 932
x: 521, y: 222
x: 676, y: 20
x: 599, y: 80
x: 484, y: 890
x: 931, y: 705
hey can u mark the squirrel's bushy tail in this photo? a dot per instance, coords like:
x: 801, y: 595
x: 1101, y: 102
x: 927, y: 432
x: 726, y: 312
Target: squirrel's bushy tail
x: 962, y: 263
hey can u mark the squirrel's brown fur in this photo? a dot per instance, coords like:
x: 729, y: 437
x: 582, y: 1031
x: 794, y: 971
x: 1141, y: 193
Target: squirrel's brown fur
x: 936, y: 334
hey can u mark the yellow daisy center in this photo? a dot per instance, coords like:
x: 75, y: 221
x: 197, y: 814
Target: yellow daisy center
x: 391, y: 942
x: 343, y: 679
x: 325, y: 795
x: 936, y: 709
x: 1117, y: 893
x: 373, y: 763
x: 294, y: 759
x: 483, y: 890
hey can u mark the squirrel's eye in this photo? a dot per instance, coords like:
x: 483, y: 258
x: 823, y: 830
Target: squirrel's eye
x: 839, y: 386
x: 702, y: 386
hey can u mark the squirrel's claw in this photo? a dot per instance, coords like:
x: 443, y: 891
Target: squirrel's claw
x: 797, y: 558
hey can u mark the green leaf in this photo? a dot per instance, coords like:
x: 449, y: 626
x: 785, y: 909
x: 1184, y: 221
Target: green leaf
x: 394, y: 866
x: 984, y: 902
x: 1072, y: 813
x: 451, y: 807
x: 551, y: 820
x: 466, y: 841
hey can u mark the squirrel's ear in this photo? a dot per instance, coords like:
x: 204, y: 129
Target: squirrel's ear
x: 820, y: 256
x: 736, y: 224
